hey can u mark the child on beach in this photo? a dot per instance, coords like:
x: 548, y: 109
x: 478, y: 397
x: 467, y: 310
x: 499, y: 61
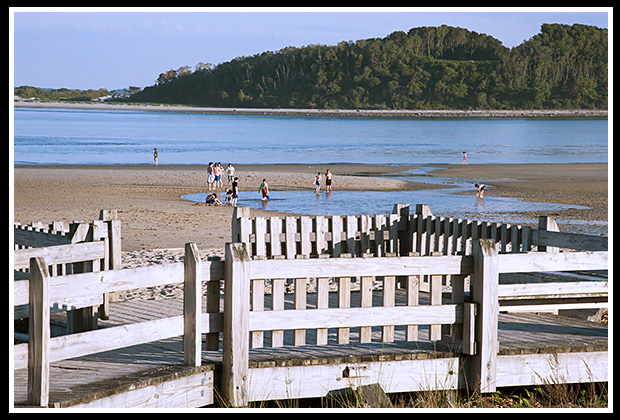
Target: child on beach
x: 217, y: 174
x: 210, y: 176
x: 212, y: 199
x: 230, y: 170
x: 480, y: 192
x: 235, y: 192
x: 317, y: 182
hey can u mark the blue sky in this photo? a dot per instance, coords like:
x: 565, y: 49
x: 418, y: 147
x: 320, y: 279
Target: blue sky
x: 89, y: 48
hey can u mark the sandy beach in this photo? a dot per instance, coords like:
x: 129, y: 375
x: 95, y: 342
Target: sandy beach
x: 148, y: 198
x: 154, y: 215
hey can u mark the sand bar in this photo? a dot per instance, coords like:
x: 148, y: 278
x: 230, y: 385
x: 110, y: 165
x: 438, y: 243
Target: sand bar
x: 154, y: 215
x: 398, y: 113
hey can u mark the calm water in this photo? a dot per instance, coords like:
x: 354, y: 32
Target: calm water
x: 73, y: 136
x: 441, y: 201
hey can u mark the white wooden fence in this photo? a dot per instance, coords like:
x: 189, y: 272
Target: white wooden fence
x: 472, y: 320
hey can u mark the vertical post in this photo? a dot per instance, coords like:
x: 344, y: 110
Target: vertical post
x: 236, y: 340
x: 422, y: 237
x: 322, y: 302
x: 38, y: 334
x: 114, y: 256
x: 237, y: 214
x: 404, y: 233
x: 548, y: 223
x: 192, y: 306
x: 81, y: 319
x: 484, y: 292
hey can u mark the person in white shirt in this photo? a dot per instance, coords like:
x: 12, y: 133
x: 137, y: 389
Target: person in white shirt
x: 230, y: 170
x: 480, y: 192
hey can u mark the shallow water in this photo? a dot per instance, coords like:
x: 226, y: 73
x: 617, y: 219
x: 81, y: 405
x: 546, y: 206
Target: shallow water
x: 442, y: 201
x: 380, y: 202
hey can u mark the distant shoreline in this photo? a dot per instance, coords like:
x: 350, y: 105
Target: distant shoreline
x: 574, y: 113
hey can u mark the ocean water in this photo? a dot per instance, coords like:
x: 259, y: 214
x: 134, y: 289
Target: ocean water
x: 82, y: 136
x: 102, y: 137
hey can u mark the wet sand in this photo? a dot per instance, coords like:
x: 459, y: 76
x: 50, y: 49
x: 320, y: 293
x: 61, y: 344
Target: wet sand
x: 585, y: 184
x: 154, y: 216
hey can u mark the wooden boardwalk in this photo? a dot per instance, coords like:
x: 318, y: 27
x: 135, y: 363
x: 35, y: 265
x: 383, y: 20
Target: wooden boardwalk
x: 83, y: 378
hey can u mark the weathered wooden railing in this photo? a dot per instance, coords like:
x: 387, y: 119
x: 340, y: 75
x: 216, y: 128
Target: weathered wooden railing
x: 56, y: 242
x: 477, y: 318
x: 474, y: 319
x: 472, y: 315
x: 78, y: 290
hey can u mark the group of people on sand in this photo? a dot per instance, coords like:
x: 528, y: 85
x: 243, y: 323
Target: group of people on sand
x: 215, y: 174
x: 328, y: 181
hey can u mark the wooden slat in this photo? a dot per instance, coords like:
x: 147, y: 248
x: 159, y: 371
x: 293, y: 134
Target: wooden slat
x: 355, y: 317
x: 355, y: 267
x: 60, y: 254
x: 64, y: 292
x: 562, y: 261
x: 570, y: 240
x: 553, y: 290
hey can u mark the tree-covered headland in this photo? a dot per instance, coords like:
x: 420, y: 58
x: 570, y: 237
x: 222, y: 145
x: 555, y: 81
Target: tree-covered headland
x: 562, y: 67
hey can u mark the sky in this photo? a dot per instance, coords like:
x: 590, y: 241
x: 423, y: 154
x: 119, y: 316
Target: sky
x: 91, y: 48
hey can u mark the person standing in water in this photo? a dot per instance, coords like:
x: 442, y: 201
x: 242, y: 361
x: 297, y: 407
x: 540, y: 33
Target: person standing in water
x: 464, y: 158
x: 264, y: 190
x: 317, y: 182
x: 156, y: 156
x: 328, y: 181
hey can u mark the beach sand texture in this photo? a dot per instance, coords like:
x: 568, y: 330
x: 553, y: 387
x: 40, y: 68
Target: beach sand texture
x: 153, y: 214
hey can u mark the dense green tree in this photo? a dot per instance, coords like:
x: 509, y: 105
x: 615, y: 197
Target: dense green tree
x: 429, y: 67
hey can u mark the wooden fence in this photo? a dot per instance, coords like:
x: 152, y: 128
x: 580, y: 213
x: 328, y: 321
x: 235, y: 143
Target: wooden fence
x: 468, y: 320
x: 55, y: 242
x: 475, y: 322
x: 396, y: 234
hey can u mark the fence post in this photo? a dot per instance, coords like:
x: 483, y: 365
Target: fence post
x: 238, y: 213
x: 38, y: 333
x: 484, y: 292
x: 236, y: 337
x: 548, y: 223
x: 192, y: 306
x: 404, y: 230
x: 110, y: 217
